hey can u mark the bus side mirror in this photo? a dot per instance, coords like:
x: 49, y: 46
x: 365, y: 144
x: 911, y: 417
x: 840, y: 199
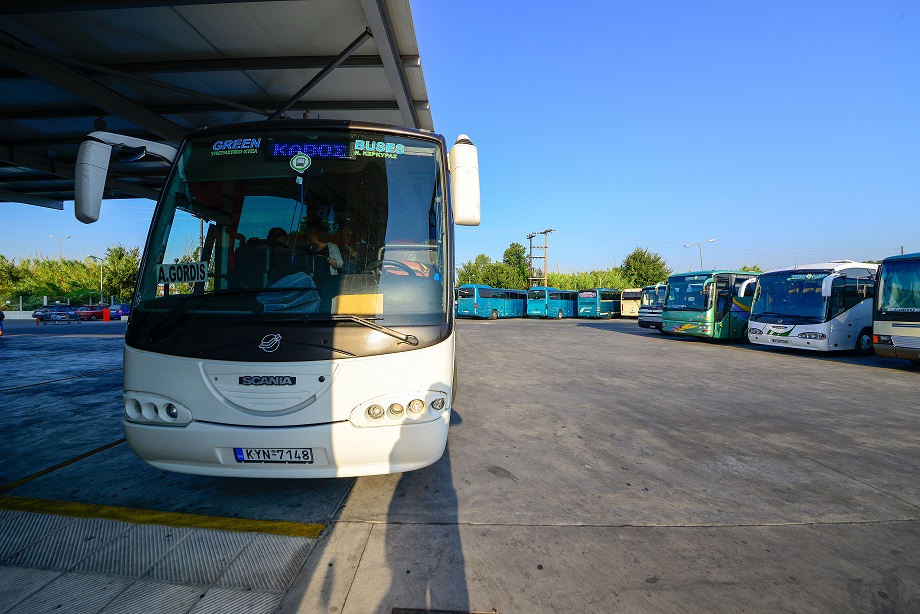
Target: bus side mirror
x: 463, y: 163
x: 744, y: 285
x: 89, y: 180
x: 827, y: 285
x: 92, y: 167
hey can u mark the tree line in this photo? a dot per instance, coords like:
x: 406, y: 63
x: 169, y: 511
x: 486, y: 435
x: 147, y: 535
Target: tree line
x: 641, y: 267
x: 63, y: 279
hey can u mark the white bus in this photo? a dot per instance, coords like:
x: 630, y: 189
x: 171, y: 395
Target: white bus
x: 652, y: 304
x: 293, y: 315
x: 629, y: 302
x: 897, y: 308
x: 823, y: 307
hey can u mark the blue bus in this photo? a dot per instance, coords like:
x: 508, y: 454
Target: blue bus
x: 546, y: 302
x: 482, y: 301
x: 598, y: 303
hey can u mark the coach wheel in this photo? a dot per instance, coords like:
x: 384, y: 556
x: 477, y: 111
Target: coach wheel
x: 559, y: 315
x: 493, y: 315
x: 864, y: 342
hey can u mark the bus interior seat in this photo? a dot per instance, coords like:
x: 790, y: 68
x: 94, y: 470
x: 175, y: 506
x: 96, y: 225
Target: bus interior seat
x: 251, y: 264
x: 286, y: 261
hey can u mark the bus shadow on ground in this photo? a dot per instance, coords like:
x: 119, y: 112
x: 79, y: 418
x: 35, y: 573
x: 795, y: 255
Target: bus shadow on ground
x: 631, y: 328
x: 845, y: 356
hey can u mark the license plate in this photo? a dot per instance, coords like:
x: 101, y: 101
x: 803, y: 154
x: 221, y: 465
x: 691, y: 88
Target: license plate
x: 780, y: 341
x: 274, y: 455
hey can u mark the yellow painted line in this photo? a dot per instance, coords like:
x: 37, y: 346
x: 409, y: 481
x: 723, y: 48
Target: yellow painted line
x: 172, y: 519
x: 53, y: 468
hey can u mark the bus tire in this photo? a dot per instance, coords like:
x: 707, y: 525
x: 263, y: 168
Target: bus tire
x: 493, y: 315
x: 864, y: 342
x: 559, y: 315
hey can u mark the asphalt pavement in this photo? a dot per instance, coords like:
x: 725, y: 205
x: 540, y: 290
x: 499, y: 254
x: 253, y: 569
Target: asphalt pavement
x: 591, y: 467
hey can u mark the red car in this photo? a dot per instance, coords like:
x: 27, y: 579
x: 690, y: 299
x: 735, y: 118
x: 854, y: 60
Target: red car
x: 94, y: 312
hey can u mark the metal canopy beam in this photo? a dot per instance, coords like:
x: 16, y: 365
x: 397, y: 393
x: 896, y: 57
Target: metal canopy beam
x: 28, y: 199
x: 53, y: 167
x: 78, y: 84
x: 24, y: 7
x: 89, y: 66
x: 170, y: 109
x: 375, y: 12
x: 322, y: 74
x: 235, y: 64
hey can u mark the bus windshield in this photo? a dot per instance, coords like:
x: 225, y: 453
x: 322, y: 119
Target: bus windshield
x: 689, y: 293
x: 536, y: 295
x: 654, y: 296
x: 899, y: 287
x: 793, y: 295
x: 274, y: 224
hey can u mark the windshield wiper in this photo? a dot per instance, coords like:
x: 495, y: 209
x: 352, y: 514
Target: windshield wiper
x: 178, y: 313
x: 347, y: 317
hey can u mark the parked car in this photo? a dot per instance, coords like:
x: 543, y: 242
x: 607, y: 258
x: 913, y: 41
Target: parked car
x: 95, y: 312
x: 56, y: 313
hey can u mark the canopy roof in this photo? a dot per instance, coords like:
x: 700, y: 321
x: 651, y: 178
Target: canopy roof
x: 159, y: 69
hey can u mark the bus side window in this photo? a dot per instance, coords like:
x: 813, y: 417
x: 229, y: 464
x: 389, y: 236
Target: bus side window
x: 838, y: 293
x: 853, y: 296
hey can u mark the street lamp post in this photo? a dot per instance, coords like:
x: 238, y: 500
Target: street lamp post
x: 60, y: 244
x: 700, y: 245
x: 99, y: 260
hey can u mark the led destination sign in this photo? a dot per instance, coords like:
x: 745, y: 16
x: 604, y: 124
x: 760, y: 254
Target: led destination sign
x: 312, y: 149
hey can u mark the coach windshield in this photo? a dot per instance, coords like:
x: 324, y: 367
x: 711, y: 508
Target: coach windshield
x: 297, y: 226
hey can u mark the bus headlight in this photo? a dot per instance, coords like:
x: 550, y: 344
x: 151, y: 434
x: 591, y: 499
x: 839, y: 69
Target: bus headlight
x: 881, y: 339
x: 145, y: 408
x: 375, y: 412
x: 171, y: 411
x: 397, y: 408
x: 812, y: 336
x: 755, y: 331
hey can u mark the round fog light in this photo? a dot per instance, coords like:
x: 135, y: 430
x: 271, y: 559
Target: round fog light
x: 438, y: 404
x: 375, y: 412
x: 417, y: 406
x: 395, y: 409
x: 171, y: 411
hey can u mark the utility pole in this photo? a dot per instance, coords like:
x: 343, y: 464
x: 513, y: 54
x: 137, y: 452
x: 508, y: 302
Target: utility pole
x: 545, y: 247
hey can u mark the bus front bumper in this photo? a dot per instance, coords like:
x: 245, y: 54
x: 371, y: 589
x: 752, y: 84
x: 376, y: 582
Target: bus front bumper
x: 818, y: 345
x: 338, y: 450
x: 891, y: 351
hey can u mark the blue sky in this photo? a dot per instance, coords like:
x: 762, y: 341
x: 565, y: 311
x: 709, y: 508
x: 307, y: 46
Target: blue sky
x: 787, y: 131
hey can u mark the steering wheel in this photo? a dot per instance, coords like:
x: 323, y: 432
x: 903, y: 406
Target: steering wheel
x: 229, y: 278
x: 380, y: 265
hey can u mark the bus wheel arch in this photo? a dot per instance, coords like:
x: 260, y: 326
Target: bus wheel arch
x: 864, y: 342
x: 493, y: 315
